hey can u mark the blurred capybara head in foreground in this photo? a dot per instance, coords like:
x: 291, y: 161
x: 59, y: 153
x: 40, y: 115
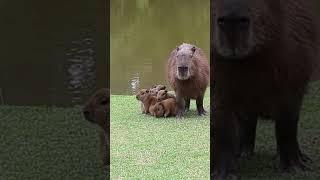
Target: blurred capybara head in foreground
x: 96, y: 108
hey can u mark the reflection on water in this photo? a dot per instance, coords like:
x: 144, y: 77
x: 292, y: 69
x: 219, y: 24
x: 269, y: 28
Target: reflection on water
x: 51, y: 51
x: 143, y: 32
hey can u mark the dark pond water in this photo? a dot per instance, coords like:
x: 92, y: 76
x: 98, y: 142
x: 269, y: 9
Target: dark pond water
x: 142, y: 34
x: 52, y: 52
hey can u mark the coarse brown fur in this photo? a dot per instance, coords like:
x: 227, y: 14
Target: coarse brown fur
x: 163, y: 94
x: 165, y: 108
x: 148, y: 101
x: 156, y: 88
x: 96, y: 111
x: 261, y: 71
x: 188, y: 74
x: 140, y: 96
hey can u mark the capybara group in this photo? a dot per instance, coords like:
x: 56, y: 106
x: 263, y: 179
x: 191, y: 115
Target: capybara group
x: 96, y: 111
x: 157, y: 102
x: 188, y: 74
x: 263, y: 52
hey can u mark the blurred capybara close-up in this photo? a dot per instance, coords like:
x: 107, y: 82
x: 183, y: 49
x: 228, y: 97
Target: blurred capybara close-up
x: 263, y: 54
x: 96, y: 111
x: 188, y: 74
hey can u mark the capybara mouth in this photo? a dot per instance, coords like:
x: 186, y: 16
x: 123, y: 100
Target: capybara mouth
x: 183, y: 73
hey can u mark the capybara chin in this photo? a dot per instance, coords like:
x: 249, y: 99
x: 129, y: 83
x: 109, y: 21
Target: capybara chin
x: 96, y: 111
x: 263, y: 53
x: 165, y: 108
x: 188, y: 74
x: 163, y: 94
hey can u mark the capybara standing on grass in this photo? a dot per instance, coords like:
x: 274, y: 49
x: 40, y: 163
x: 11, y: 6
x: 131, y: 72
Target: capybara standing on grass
x: 188, y: 74
x: 263, y: 52
x: 139, y: 96
x: 96, y: 111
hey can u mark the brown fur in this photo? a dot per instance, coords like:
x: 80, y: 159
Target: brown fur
x: 96, y: 111
x: 267, y: 78
x: 148, y: 101
x: 140, y: 95
x: 156, y: 88
x: 165, y: 108
x: 163, y: 94
x: 196, y: 80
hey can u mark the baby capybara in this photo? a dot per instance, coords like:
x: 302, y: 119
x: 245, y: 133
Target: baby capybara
x: 139, y: 96
x: 188, y: 74
x: 163, y: 94
x: 156, y: 88
x: 165, y: 108
x: 148, y: 101
x: 263, y: 55
x: 96, y: 111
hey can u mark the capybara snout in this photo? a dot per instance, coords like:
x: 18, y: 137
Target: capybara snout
x: 233, y: 33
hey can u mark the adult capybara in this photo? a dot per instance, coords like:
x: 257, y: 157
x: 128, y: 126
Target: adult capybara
x: 165, y: 108
x: 263, y: 52
x: 96, y: 111
x: 188, y: 74
x: 163, y: 94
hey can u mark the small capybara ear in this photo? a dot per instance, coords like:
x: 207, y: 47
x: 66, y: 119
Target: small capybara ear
x: 147, y: 91
x: 177, y: 48
x: 193, y: 49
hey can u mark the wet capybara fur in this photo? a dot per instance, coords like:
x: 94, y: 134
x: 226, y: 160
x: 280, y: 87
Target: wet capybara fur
x: 188, y: 74
x: 165, y: 108
x: 163, y: 94
x: 96, y: 111
x: 263, y: 52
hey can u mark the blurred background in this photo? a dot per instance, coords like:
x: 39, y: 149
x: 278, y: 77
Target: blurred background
x: 52, y: 52
x: 144, y: 32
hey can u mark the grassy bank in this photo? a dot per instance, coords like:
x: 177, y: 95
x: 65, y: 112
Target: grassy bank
x: 144, y: 147
x: 48, y: 143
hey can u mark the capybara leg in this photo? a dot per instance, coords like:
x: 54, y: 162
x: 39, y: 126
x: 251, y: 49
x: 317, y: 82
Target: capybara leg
x: 166, y: 114
x: 181, y: 105
x: 142, y: 109
x: 187, y: 106
x: 199, y: 102
x: 247, y: 132
x: 224, y: 145
x: 286, y: 132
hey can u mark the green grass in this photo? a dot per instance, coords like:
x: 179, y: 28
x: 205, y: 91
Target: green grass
x: 262, y: 165
x: 145, y: 147
x: 48, y: 143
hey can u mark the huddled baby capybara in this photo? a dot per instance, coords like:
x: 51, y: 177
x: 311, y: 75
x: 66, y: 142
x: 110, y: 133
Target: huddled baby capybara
x: 96, y: 111
x: 263, y: 54
x: 165, y: 108
x: 156, y: 88
x: 147, y: 99
x: 163, y: 95
x: 188, y: 74
x: 139, y: 97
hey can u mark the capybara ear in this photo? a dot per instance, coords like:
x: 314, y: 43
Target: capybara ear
x: 193, y: 49
x: 147, y: 91
x: 164, y: 87
x: 165, y: 91
x: 177, y: 48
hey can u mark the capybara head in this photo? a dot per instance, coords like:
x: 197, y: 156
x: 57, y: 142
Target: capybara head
x: 96, y: 108
x: 162, y: 94
x: 241, y: 27
x: 159, y: 87
x: 141, y: 94
x: 158, y: 109
x: 184, y: 61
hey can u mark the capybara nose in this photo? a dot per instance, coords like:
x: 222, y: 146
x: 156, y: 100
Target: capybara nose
x: 183, y: 68
x: 233, y: 23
